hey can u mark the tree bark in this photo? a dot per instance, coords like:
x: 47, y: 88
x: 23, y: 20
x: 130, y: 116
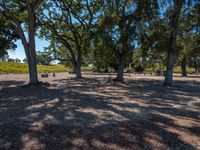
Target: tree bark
x: 31, y: 48
x: 183, y: 67
x: 73, y: 65
x: 173, y: 45
x: 78, y: 70
x: 33, y: 73
x: 78, y: 64
x: 197, y: 67
x: 169, y: 70
x: 120, y: 71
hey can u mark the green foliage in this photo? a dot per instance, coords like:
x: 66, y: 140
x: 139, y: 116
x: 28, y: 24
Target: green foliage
x: 154, y: 36
x: 189, y: 38
x: 44, y: 58
x: 87, y: 68
x: 102, y: 53
x: 7, y: 36
x: 189, y: 70
x: 67, y: 32
x: 115, y: 33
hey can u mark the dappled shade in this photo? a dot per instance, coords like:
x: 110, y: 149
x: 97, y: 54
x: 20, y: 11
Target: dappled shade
x: 95, y: 112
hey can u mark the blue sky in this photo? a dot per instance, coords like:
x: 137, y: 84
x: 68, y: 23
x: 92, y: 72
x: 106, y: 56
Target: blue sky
x: 19, y: 52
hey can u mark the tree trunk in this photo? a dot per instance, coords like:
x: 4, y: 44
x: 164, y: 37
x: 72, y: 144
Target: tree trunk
x: 78, y: 63
x: 173, y: 45
x: 31, y: 48
x: 33, y: 72
x: 78, y: 70
x: 120, y: 71
x: 169, y: 71
x: 197, y: 67
x: 183, y: 67
x: 98, y: 68
x: 73, y: 65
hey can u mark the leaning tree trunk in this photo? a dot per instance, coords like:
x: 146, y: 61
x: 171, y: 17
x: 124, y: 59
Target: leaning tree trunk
x: 31, y: 60
x: 173, y: 45
x: 183, y: 67
x: 73, y: 65
x: 76, y: 62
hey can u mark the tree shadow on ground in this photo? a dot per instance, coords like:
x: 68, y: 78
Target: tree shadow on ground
x: 95, y: 114
x: 190, y: 76
x: 6, y: 84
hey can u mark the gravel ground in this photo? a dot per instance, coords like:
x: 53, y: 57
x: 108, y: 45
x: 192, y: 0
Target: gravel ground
x: 97, y: 113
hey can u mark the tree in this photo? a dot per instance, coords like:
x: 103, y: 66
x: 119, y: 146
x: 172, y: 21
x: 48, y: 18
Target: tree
x: 102, y: 52
x: 59, y: 52
x: 44, y: 58
x: 189, y: 37
x: 122, y: 20
x: 68, y: 23
x: 157, y: 37
x: 118, y: 24
x: 7, y: 37
x: 153, y: 40
x: 172, y: 44
x: 16, y: 11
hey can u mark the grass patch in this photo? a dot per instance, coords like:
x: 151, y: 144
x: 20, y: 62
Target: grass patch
x: 17, y: 68
x: 189, y: 70
x: 176, y: 70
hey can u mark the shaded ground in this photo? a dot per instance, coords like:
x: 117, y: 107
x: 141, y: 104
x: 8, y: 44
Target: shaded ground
x: 96, y: 113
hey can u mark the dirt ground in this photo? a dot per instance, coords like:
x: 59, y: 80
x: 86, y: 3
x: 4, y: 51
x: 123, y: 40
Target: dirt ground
x: 97, y: 113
